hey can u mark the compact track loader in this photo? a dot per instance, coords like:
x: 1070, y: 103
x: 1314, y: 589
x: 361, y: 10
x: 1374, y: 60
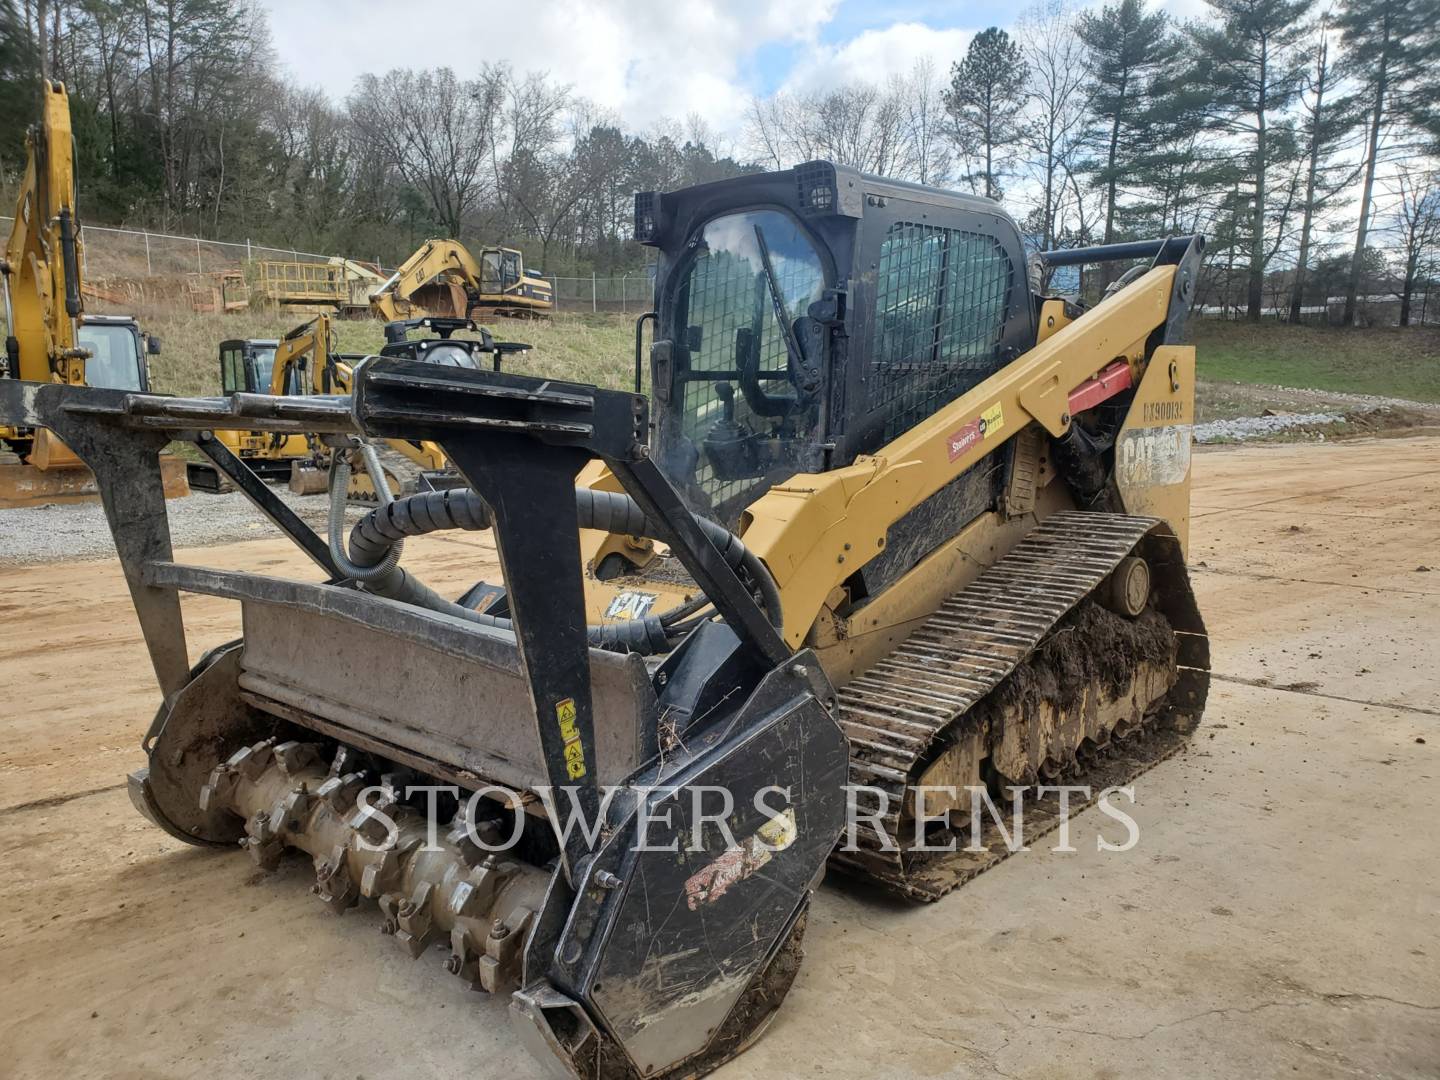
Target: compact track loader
x: 892, y: 526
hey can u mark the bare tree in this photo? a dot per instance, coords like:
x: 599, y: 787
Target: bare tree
x: 434, y: 128
x: 925, y: 125
x: 1055, y: 130
x: 1417, y: 224
x: 529, y: 123
x: 861, y: 125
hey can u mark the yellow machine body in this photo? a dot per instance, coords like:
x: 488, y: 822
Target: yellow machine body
x: 443, y: 278
x: 814, y: 530
x: 49, y: 338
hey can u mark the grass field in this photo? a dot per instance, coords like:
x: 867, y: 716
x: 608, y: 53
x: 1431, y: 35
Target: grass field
x: 1387, y: 361
x: 595, y: 349
x: 1238, y: 361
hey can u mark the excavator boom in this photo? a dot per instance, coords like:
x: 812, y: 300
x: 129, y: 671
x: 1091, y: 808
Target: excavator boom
x: 48, y: 336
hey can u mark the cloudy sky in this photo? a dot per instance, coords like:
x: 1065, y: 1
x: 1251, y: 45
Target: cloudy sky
x: 645, y: 59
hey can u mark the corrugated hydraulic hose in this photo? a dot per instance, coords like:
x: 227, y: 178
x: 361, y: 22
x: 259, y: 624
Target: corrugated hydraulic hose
x: 376, y: 536
x: 339, y: 483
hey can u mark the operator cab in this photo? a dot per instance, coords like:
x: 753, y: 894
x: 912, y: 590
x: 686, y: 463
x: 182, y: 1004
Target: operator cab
x: 118, y: 352
x: 246, y: 366
x: 503, y: 273
x: 500, y: 269
x: 809, y: 316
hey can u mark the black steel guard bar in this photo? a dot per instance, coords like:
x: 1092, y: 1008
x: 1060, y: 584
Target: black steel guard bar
x: 119, y: 435
x: 520, y: 442
x: 1168, y: 250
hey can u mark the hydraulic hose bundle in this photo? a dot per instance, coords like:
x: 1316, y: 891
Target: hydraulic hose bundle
x: 376, y: 541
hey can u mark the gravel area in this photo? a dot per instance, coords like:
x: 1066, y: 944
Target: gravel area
x: 1338, y: 397
x: 1259, y: 427
x: 1286, y: 408
x: 78, y: 530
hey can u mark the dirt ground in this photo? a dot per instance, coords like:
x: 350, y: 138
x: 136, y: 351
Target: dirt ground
x: 1278, y: 916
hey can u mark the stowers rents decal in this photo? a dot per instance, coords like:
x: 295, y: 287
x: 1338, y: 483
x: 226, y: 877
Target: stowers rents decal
x: 990, y: 421
x: 1158, y: 456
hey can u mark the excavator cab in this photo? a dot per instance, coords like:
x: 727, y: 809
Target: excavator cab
x: 118, y: 352
x: 804, y: 318
x: 500, y: 269
x: 247, y: 364
x: 507, y: 288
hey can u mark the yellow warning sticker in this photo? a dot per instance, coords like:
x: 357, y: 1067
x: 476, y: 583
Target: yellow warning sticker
x: 570, y: 732
x: 992, y: 420
x: 565, y: 713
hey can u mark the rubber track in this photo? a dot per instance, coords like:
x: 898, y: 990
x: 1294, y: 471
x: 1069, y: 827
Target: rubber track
x: 898, y: 713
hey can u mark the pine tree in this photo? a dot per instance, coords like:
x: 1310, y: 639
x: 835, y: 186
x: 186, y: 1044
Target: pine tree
x: 987, y: 91
x: 1327, y: 118
x: 1391, y: 44
x: 1250, y: 61
x: 19, y: 75
x: 1128, y: 48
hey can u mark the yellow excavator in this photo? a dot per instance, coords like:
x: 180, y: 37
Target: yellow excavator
x: 896, y: 543
x: 305, y: 362
x: 443, y: 279
x: 49, y: 337
x: 407, y: 465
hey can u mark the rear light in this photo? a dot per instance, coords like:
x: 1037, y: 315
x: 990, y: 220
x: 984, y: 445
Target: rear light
x: 817, y: 187
x: 647, y: 222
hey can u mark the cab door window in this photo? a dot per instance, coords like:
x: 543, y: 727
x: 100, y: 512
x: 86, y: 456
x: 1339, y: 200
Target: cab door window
x: 490, y: 275
x: 232, y: 371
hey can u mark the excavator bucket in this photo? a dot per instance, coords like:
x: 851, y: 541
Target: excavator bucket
x: 625, y: 848
x: 54, y: 474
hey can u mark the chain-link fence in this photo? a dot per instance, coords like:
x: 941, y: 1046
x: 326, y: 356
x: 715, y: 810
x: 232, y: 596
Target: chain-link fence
x: 140, y: 253
x: 627, y: 293
x: 1371, y: 309
x: 137, y: 256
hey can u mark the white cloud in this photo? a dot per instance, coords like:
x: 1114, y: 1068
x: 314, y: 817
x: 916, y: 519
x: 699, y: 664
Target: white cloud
x: 641, y: 59
x: 874, y: 55
x: 644, y: 59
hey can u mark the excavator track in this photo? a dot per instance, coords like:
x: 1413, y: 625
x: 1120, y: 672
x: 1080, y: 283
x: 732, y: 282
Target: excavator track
x: 972, y: 663
x: 405, y: 477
